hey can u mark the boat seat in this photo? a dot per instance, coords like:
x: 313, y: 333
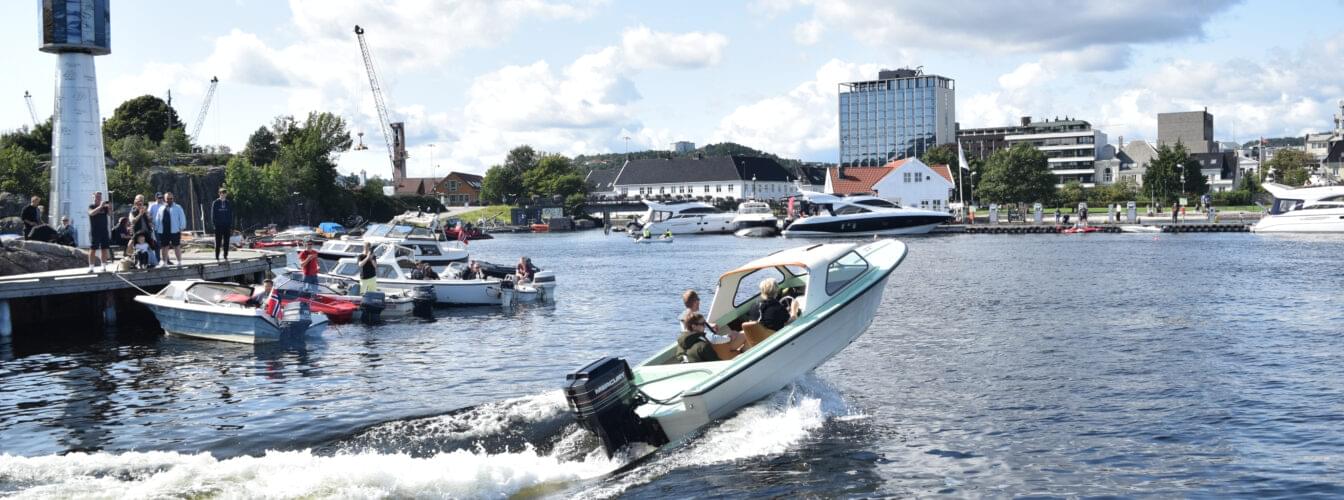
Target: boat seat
x: 755, y: 332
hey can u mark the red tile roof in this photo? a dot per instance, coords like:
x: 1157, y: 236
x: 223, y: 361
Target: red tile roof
x: 860, y: 180
x: 944, y: 171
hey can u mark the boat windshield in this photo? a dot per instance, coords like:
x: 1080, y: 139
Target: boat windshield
x: 851, y: 209
x: 377, y: 230
x: 877, y: 202
x: 404, y: 231
x: 217, y: 294
x: 1284, y: 205
x: 754, y: 208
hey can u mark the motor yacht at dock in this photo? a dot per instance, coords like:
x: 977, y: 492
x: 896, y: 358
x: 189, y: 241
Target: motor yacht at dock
x: 683, y: 217
x: 422, y: 242
x: 1303, y: 210
x: 862, y: 216
x: 755, y: 218
x: 836, y: 288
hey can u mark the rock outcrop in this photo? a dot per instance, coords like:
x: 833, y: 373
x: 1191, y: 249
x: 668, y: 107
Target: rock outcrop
x: 11, y: 204
x: 19, y: 257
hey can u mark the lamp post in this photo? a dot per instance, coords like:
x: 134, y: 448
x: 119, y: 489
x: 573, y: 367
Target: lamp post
x: 627, y: 146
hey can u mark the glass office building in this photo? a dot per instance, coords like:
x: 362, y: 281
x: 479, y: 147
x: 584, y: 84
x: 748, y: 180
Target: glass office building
x: 901, y: 114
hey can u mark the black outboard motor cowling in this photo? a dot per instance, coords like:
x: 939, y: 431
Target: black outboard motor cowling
x: 422, y: 301
x: 603, y: 398
x: 371, y: 308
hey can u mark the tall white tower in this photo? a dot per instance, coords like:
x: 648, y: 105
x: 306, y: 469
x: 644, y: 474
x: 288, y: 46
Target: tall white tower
x: 76, y: 30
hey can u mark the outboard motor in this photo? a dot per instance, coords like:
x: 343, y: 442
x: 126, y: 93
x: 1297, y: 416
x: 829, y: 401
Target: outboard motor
x: 545, y: 282
x: 371, y: 308
x: 506, y: 289
x: 422, y: 301
x: 603, y: 398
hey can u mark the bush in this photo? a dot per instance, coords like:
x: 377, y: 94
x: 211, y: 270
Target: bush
x: 1227, y: 198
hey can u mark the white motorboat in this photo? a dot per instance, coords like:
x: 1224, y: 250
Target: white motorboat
x: 423, y: 243
x: 396, y: 265
x: 395, y: 304
x: 683, y: 217
x: 755, y: 218
x: 838, y: 288
x: 862, y: 216
x: 217, y: 311
x: 1303, y: 210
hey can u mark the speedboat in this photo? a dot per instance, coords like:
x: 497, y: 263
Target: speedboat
x: 755, y: 218
x: 395, y: 265
x: 837, y: 288
x: 683, y: 217
x: 422, y: 242
x: 862, y: 216
x: 390, y: 304
x: 1303, y: 210
x: 217, y: 311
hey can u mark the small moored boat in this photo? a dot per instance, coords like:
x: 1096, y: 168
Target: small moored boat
x: 216, y: 311
x: 836, y: 288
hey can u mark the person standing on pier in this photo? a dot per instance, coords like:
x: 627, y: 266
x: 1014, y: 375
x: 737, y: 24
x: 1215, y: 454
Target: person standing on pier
x: 1175, y: 211
x: 32, y: 216
x: 221, y: 214
x: 99, y: 236
x: 169, y: 223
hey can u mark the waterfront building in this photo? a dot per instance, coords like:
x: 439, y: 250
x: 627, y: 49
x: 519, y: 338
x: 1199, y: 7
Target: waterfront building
x: 908, y: 182
x: 1318, y: 145
x: 602, y: 182
x: 1072, y: 148
x: 459, y: 189
x: 727, y: 177
x: 683, y: 147
x: 980, y: 143
x: 1134, y: 158
x: 1194, y: 129
x: 901, y: 114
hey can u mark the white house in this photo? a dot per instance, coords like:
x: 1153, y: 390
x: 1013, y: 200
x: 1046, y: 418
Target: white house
x: 907, y: 181
x: 728, y: 177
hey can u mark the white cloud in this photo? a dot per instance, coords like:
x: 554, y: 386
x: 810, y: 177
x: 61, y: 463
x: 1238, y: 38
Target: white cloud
x: 1011, y: 25
x: 808, y: 32
x: 802, y: 121
x: 1025, y: 76
x: 645, y: 48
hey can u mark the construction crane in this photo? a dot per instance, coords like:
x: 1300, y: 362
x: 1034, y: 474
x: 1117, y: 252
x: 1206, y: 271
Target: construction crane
x: 205, y: 107
x: 28, y: 98
x: 394, y: 134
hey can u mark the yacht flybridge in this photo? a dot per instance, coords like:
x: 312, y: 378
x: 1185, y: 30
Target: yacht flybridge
x: 862, y: 216
x: 1303, y: 210
x: 683, y: 217
x: 837, y: 288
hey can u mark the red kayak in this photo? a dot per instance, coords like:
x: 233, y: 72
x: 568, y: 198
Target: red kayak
x: 1085, y: 229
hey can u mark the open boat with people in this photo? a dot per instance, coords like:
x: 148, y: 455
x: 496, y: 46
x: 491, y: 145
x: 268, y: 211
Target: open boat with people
x: 392, y: 304
x: 682, y: 217
x: 218, y: 311
x: 862, y: 216
x: 396, y: 266
x: 837, y: 289
x: 1303, y: 210
x: 655, y: 239
x: 423, y: 243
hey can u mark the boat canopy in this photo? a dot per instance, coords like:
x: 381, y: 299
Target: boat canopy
x: 815, y: 273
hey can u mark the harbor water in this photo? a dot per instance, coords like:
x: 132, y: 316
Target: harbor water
x: 1056, y: 365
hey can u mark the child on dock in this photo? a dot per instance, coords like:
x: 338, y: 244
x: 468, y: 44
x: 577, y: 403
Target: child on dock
x: 141, y: 252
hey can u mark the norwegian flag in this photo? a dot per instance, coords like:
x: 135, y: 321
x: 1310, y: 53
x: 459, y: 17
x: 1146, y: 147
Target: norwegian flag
x: 274, y: 307
x: 462, y: 233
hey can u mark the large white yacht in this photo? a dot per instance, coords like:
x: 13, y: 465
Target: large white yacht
x: 755, y: 218
x: 1303, y: 210
x: 862, y: 216
x: 683, y: 217
x: 424, y: 243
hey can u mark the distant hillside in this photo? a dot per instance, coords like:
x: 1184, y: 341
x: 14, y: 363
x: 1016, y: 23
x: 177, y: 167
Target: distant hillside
x: 1278, y: 142
x: 615, y: 160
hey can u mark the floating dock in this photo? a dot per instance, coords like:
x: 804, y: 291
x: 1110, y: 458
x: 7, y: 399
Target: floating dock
x: 1106, y: 228
x: 29, y: 301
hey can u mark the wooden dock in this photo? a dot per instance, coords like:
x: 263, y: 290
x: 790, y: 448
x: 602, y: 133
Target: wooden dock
x: 1105, y: 228
x: 30, y: 300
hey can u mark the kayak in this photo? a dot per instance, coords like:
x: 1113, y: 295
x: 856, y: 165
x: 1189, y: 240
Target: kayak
x: 653, y: 240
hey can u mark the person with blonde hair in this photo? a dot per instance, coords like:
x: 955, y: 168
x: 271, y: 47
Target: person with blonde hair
x: 769, y: 311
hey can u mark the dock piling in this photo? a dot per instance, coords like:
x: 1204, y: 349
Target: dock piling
x: 6, y: 326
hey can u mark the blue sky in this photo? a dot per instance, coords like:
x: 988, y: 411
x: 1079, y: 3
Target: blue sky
x: 476, y: 78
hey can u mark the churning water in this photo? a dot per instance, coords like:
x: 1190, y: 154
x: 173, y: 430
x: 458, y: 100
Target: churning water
x: 1132, y: 365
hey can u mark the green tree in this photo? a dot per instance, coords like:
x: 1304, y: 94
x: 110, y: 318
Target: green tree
x: 1162, y: 180
x: 1291, y: 166
x: 1019, y: 174
x: 262, y: 147
x: 501, y: 184
x: 308, y: 159
x: 135, y: 151
x: 1071, y: 194
x: 554, y: 175
x: 175, y: 141
x: 21, y: 173
x: 126, y: 182
x: 942, y: 154
x: 1194, y: 182
x: 521, y: 159
x: 246, y: 189
x: 145, y: 115
x: 36, y: 140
